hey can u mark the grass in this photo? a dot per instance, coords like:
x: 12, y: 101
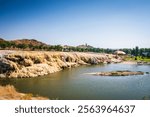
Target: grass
x: 9, y: 93
x: 27, y: 97
x: 138, y: 58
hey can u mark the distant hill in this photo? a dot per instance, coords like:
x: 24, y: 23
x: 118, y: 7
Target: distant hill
x: 32, y: 42
x: 84, y: 46
x: 25, y: 44
x: 1, y: 40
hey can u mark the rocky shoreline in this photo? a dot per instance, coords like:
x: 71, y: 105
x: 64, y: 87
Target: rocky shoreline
x: 143, y: 63
x: 27, y: 64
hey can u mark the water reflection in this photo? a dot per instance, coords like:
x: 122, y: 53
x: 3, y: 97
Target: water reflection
x: 74, y: 84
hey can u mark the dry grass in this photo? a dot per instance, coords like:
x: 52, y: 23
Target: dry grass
x: 9, y: 93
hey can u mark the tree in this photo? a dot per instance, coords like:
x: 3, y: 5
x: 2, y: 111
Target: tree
x: 22, y: 46
x: 141, y: 51
x: 133, y: 51
x: 136, y: 51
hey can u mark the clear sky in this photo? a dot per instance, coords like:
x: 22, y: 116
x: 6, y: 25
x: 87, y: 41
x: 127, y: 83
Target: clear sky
x: 100, y: 23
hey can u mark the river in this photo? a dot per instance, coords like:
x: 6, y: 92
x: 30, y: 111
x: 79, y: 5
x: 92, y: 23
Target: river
x: 75, y: 84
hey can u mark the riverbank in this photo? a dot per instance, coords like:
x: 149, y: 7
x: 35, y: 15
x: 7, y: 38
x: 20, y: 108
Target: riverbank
x: 138, y: 60
x: 9, y: 93
x: 27, y: 64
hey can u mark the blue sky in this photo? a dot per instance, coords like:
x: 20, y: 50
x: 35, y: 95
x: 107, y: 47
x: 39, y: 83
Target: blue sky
x: 100, y: 23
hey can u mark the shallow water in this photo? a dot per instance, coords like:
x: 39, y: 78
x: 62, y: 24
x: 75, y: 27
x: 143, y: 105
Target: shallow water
x: 75, y: 84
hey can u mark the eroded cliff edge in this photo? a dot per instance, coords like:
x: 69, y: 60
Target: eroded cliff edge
x: 24, y: 64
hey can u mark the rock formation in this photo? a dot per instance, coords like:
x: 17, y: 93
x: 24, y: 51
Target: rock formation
x: 21, y: 64
x: 118, y: 73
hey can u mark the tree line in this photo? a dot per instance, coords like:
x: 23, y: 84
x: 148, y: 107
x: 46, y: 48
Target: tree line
x: 14, y: 46
x: 11, y: 45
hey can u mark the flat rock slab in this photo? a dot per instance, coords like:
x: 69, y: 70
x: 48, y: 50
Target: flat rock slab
x: 118, y: 73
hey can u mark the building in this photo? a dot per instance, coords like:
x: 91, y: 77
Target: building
x: 118, y: 52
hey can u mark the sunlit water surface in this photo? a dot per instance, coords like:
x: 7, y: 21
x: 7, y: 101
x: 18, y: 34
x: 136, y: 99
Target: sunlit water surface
x: 75, y: 84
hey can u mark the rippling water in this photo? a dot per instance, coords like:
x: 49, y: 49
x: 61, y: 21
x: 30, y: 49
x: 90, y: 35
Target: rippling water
x: 74, y: 84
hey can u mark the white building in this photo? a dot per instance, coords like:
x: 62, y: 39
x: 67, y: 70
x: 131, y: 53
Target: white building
x: 118, y: 52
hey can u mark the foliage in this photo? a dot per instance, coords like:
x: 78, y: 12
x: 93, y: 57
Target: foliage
x: 145, y: 52
x: 137, y: 58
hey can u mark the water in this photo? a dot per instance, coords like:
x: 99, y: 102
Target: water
x: 75, y: 84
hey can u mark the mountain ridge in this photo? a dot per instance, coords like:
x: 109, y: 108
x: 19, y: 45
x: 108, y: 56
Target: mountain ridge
x: 33, y: 42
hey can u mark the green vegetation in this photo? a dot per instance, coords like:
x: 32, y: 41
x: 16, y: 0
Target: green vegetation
x: 137, y: 58
x: 139, y: 55
x: 33, y: 45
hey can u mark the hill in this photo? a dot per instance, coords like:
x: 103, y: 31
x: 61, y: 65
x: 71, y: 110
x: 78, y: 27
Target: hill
x: 32, y: 42
x: 85, y: 46
x: 2, y: 40
x: 24, y: 44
